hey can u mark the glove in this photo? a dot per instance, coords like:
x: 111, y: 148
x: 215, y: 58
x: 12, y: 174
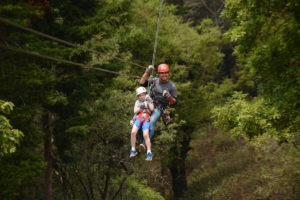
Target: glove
x: 144, y: 105
x: 166, y: 93
x: 149, y: 69
x: 148, y: 99
x: 131, y: 122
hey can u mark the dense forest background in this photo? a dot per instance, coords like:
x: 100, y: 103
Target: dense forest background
x: 68, y: 72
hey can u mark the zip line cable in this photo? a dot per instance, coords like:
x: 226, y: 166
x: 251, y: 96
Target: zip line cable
x: 78, y: 46
x: 156, y: 37
x: 60, y: 40
x: 36, y: 54
x: 157, y: 31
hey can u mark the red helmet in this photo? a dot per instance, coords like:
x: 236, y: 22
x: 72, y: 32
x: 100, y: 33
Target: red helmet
x: 162, y: 68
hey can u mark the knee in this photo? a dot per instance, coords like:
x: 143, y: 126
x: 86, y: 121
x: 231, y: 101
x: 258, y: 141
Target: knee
x: 146, y: 137
x: 133, y: 133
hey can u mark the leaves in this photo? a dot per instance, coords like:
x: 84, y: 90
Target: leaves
x: 90, y: 110
x: 6, y: 107
x: 9, y: 137
x: 267, y: 45
x: 244, y: 118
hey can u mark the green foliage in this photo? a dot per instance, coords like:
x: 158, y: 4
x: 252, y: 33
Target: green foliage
x: 90, y: 109
x: 137, y: 190
x: 189, y: 51
x: 267, y: 37
x: 192, y: 107
x: 197, y: 48
x: 195, y: 104
x: 224, y: 167
x: 246, y: 118
x: 272, y: 174
x: 209, y: 46
x: 213, y: 159
x: 99, y: 37
x: 18, y: 10
x: 9, y: 137
x: 97, y: 142
x: 18, y: 172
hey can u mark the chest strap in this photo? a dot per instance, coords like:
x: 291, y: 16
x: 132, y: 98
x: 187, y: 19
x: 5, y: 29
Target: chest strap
x: 143, y: 116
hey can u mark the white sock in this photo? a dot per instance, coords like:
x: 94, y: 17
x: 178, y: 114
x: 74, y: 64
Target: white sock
x: 132, y: 149
x: 148, y: 151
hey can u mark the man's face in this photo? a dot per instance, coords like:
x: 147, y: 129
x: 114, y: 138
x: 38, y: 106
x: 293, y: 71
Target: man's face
x: 164, y: 76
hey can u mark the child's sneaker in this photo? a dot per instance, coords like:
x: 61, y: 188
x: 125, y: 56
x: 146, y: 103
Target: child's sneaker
x: 166, y: 119
x: 133, y: 153
x: 149, y: 156
x: 142, y: 147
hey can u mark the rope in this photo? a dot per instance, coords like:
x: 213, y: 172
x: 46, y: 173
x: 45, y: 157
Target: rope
x: 156, y: 38
x: 60, y: 40
x: 157, y: 31
x: 36, y: 54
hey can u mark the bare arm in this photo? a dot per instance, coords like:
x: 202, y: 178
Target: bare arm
x: 151, y: 106
x: 136, y: 108
x: 146, y: 74
x: 172, y: 100
x: 144, y: 78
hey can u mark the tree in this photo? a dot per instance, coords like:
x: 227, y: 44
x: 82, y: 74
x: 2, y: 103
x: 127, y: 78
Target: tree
x: 68, y: 113
x: 9, y: 136
x: 201, y: 9
x: 267, y: 49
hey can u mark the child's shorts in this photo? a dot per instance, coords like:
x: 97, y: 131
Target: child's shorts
x: 144, y: 124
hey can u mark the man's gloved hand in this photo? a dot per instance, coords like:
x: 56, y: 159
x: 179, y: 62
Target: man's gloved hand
x: 149, y: 69
x: 166, y: 93
x: 144, y: 105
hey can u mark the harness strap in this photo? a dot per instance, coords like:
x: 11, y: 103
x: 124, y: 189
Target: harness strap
x: 143, y: 116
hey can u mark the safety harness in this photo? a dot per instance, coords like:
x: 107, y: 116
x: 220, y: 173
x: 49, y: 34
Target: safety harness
x: 159, y: 100
x: 143, y: 116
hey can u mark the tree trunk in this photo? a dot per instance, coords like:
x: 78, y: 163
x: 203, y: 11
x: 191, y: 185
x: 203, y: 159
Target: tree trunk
x: 48, y: 155
x: 177, y: 165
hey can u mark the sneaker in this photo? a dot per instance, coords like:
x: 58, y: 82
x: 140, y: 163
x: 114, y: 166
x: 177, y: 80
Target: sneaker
x: 166, y: 119
x: 142, y: 147
x: 133, y: 154
x: 149, y: 156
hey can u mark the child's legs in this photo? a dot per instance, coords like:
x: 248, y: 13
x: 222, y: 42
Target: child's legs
x: 145, y: 128
x: 134, y: 130
x: 147, y: 139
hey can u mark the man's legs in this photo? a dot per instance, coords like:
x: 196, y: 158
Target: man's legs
x: 156, y: 113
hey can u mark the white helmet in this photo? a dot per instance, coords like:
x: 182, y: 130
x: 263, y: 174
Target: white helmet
x: 140, y: 90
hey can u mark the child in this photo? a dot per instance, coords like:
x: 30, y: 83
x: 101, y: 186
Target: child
x: 142, y: 110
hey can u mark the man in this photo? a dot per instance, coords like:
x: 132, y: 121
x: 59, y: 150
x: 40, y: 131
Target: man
x: 163, y: 92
